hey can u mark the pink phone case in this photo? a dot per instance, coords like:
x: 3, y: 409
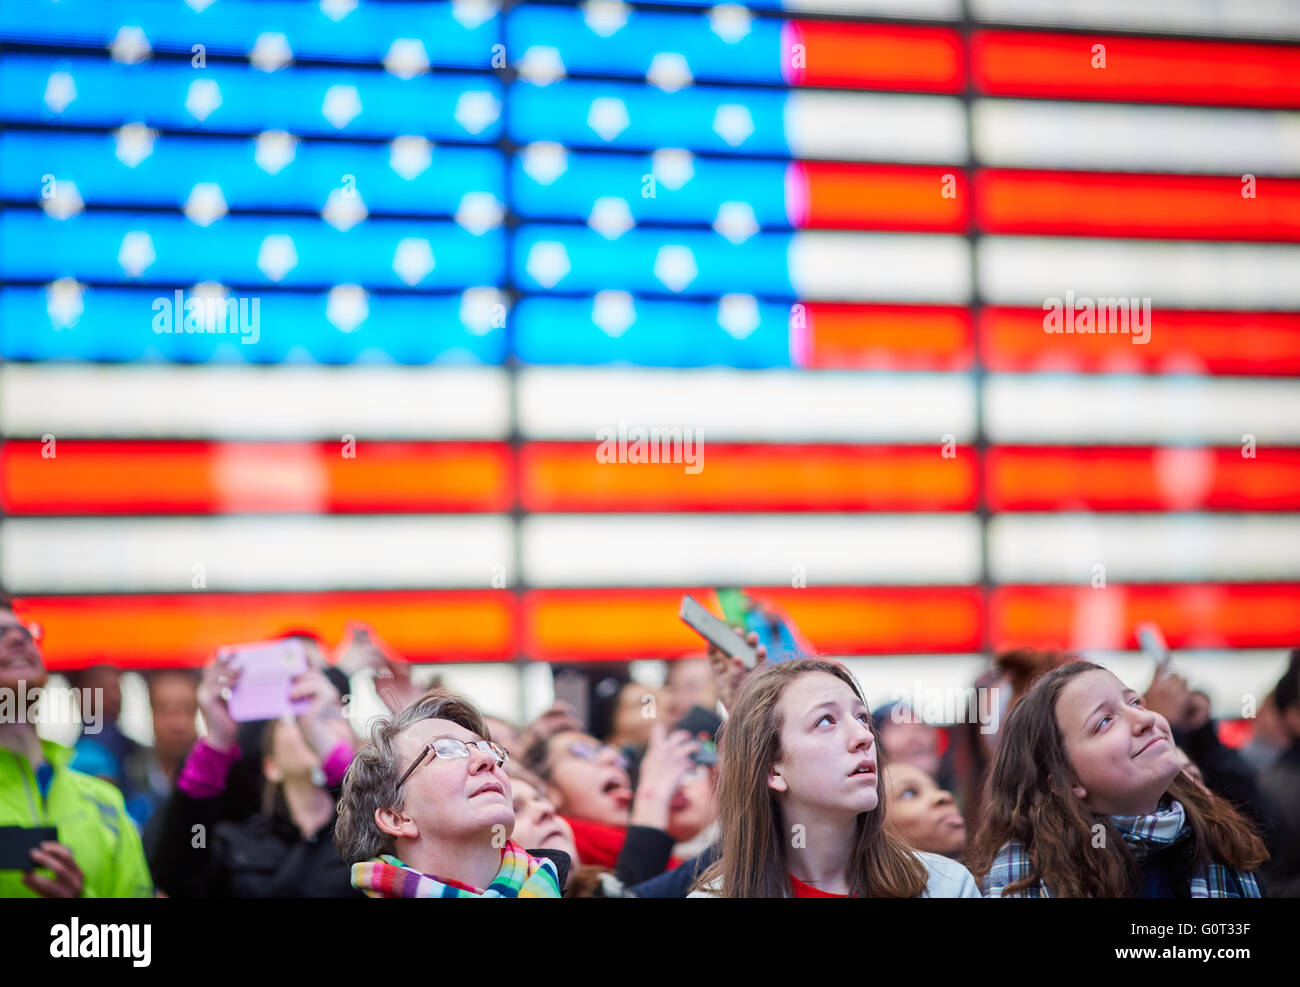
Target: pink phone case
x: 265, y: 682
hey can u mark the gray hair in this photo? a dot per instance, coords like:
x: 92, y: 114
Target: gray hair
x: 371, y: 780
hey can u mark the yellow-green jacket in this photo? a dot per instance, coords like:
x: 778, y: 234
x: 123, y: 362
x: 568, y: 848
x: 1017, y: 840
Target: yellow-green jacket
x: 91, y: 820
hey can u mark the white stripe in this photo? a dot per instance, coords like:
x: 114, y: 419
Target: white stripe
x: 756, y: 406
x: 1262, y: 18
x: 855, y: 267
x: 1068, y: 548
x: 284, y: 402
x: 1068, y: 409
x: 1236, y: 681
x: 1029, y: 270
x: 253, y: 553
x: 1043, y: 134
x: 931, y: 9
x: 875, y: 127
x: 732, y: 550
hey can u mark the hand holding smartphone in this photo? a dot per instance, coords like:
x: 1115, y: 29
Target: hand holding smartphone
x: 265, y: 683
x: 716, y: 632
x: 1153, y: 644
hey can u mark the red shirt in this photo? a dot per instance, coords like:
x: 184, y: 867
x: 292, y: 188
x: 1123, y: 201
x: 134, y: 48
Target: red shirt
x: 802, y: 890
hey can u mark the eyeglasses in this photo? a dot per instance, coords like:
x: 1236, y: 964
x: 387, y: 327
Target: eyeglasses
x: 451, y: 749
x: 593, y: 752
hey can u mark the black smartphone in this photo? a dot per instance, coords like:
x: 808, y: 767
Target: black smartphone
x: 17, y: 842
x: 699, y: 720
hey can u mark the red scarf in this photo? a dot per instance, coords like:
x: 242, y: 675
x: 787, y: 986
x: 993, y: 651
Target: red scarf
x: 599, y: 844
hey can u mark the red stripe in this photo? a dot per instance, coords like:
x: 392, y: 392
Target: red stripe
x: 603, y: 625
x: 831, y: 336
x: 1089, y: 204
x: 1169, y: 478
x: 159, y: 630
x: 1012, y: 339
x: 93, y: 477
x: 1061, y: 66
x: 1191, y: 616
x: 830, y: 196
x: 844, y: 55
x: 737, y: 478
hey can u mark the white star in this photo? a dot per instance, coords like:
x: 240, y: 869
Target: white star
x: 738, y: 314
x: 479, y: 212
x: 608, y: 117
x: 336, y: 10
x: 545, y: 161
x: 407, y: 58
x: 60, y: 90
x: 136, y: 253
x: 673, y: 167
x: 130, y: 46
x: 277, y: 256
x: 613, y: 312
x: 472, y: 13
x: 206, y: 204
x: 202, y: 98
x: 736, y: 221
x: 548, y: 263
x: 410, y: 156
x: 605, y: 17
x: 730, y: 21
x: 63, y: 302
x: 342, y: 105
x: 541, y: 65
x: 343, y: 211
x: 675, y: 266
x: 669, y: 71
x: 200, y: 5
x: 347, y: 306
x: 214, y: 300
x: 274, y: 150
x: 611, y: 217
x: 476, y: 110
x: 413, y: 260
x: 66, y: 201
x: 479, y: 309
x: 134, y: 143
x: 270, y: 51
x: 733, y: 123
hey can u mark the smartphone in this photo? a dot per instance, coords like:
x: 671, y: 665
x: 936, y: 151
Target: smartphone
x: 17, y: 842
x: 716, y: 632
x: 1153, y: 643
x: 572, y: 687
x: 699, y: 720
x: 267, y: 670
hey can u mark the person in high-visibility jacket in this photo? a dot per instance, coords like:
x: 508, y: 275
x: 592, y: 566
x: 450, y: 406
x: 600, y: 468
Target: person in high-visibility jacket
x: 98, y: 852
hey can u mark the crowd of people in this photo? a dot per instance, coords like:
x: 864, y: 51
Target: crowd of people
x: 771, y: 781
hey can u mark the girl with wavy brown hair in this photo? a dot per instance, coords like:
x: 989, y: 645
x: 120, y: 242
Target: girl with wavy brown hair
x: 802, y: 809
x: 1087, y: 799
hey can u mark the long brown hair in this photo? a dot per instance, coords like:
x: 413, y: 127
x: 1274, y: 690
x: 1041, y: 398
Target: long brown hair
x: 754, y: 842
x: 1028, y: 800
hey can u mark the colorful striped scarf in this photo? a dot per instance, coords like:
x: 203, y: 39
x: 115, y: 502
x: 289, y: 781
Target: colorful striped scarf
x: 520, y: 876
x: 1164, y: 828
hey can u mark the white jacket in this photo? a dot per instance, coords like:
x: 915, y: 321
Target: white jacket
x: 947, y: 879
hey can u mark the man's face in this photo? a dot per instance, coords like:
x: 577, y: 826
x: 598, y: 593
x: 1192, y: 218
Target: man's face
x: 20, y: 659
x: 454, y: 799
x: 175, y: 703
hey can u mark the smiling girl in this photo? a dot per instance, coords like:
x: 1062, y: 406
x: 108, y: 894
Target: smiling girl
x: 1087, y: 798
x: 801, y: 805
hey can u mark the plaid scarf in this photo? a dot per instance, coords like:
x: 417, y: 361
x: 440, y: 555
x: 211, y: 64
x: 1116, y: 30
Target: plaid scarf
x: 1143, y: 835
x: 520, y: 876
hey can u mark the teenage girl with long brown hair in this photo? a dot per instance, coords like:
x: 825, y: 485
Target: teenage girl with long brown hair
x: 801, y: 804
x: 1086, y: 798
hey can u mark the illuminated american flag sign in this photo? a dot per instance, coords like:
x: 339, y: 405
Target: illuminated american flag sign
x: 821, y: 237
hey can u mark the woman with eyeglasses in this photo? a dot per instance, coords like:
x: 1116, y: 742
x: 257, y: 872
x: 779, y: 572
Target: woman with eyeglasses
x: 614, y: 827
x: 427, y: 812
x: 285, y: 850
